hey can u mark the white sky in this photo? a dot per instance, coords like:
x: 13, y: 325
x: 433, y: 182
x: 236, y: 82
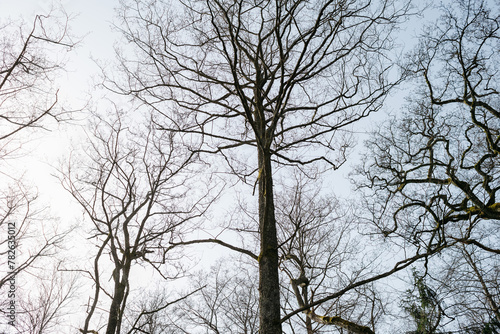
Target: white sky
x: 91, y: 21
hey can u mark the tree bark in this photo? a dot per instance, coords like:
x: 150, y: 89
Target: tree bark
x: 269, y: 296
x: 115, y: 311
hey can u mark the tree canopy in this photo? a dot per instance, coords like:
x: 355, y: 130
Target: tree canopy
x: 225, y: 128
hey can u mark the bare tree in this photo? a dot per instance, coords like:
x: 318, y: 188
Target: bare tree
x: 30, y: 60
x: 280, y: 78
x: 31, y: 237
x: 31, y: 56
x: 432, y: 173
x: 227, y: 301
x: 19, y: 217
x: 466, y: 279
x: 321, y: 252
x: 155, y: 313
x: 45, y: 308
x: 486, y: 274
x: 439, y: 161
x: 136, y: 191
x: 476, y: 291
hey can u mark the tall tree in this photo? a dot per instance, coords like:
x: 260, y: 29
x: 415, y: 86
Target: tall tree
x: 135, y: 189
x: 320, y: 252
x: 279, y: 77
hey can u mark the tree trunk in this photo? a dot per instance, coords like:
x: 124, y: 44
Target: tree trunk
x: 116, y: 304
x: 269, y: 292
x: 309, y: 326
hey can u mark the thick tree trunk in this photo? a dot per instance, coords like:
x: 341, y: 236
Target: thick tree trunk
x: 269, y: 292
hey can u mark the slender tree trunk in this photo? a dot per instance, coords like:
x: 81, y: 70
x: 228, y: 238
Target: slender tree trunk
x: 309, y: 326
x: 269, y: 292
x: 115, y: 309
x: 489, y: 297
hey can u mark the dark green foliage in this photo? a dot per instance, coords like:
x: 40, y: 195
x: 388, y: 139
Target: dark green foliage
x: 422, y: 304
x: 492, y: 327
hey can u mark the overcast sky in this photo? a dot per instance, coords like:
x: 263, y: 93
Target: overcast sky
x: 90, y: 23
